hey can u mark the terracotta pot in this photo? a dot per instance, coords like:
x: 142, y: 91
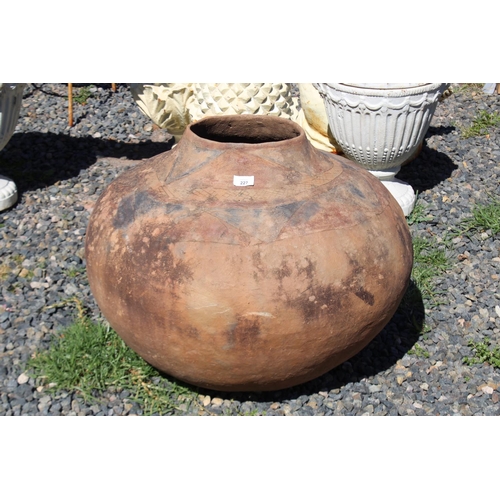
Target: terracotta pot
x: 255, y: 287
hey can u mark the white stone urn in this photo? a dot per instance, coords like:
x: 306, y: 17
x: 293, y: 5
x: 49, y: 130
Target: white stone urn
x: 11, y: 95
x: 173, y: 106
x: 381, y: 125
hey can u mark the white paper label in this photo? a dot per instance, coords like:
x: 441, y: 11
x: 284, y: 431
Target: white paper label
x: 243, y: 180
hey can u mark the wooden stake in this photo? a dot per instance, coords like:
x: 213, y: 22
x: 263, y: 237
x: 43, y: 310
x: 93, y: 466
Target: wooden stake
x: 70, y: 104
x: 498, y: 88
x: 113, y: 87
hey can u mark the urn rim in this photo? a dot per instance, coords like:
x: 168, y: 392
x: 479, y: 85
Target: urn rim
x: 383, y: 89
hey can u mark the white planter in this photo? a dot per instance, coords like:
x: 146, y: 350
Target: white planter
x: 11, y: 95
x: 381, y: 125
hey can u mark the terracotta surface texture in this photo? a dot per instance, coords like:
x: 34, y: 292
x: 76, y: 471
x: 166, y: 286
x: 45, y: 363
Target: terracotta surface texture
x: 256, y: 287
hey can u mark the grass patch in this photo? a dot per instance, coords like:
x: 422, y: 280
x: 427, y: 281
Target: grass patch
x: 90, y: 358
x: 429, y: 261
x: 484, y: 217
x: 483, y: 354
x: 482, y: 123
x: 466, y: 88
x: 417, y: 214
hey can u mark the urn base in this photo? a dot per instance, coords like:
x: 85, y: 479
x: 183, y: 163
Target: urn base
x: 8, y: 193
x: 400, y: 190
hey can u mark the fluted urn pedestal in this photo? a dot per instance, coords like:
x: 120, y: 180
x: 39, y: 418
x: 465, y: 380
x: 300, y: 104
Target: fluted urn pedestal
x: 245, y: 258
x: 11, y: 95
x: 381, y: 125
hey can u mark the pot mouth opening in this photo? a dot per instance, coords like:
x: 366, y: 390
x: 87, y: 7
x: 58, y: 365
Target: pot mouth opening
x: 247, y: 129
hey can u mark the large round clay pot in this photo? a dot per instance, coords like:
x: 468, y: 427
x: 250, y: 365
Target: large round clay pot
x: 233, y: 286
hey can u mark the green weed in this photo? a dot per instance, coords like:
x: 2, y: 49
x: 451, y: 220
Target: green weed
x: 73, y: 272
x: 484, y: 217
x: 18, y: 259
x: 90, y: 358
x: 482, y: 124
x: 483, y: 354
x: 419, y: 351
x: 83, y: 94
x: 29, y: 275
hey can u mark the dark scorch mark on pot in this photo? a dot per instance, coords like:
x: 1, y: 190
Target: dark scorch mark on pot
x: 365, y: 296
x: 244, y: 333
x: 154, y: 256
x: 327, y: 300
x: 309, y: 270
x: 307, y: 210
x: 318, y: 301
x: 137, y: 204
x: 354, y: 190
x: 282, y: 272
x: 286, y: 211
x: 125, y: 213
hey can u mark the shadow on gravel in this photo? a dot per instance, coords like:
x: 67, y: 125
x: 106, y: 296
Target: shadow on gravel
x: 381, y: 354
x: 431, y: 167
x: 37, y: 160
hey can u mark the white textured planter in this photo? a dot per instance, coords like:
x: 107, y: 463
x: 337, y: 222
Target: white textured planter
x: 381, y: 125
x: 11, y: 95
x: 273, y: 99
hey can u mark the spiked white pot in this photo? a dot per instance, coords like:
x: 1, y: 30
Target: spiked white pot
x: 273, y: 99
x: 381, y: 125
x: 11, y: 95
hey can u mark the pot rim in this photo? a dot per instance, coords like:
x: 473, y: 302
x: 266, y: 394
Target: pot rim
x: 383, y: 89
x: 204, y: 132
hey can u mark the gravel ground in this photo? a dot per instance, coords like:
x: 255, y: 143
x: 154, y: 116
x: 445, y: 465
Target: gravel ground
x: 60, y: 172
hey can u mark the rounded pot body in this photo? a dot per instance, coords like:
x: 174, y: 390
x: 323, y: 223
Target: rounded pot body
x: 234, y: 284
x: 380, y: 126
